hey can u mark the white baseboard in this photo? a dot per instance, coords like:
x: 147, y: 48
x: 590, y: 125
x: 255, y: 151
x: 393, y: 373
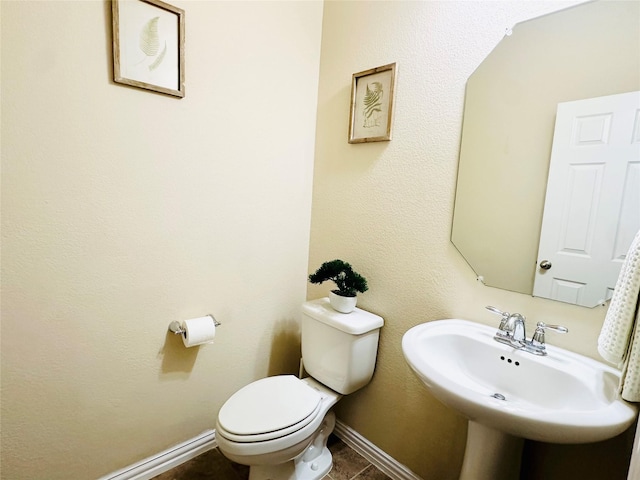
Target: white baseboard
x: 183, y: 452
x: 387, y: 464
x: 170, y: 458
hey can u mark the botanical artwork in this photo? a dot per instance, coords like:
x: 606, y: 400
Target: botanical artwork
x: 150, y: 44
x: 149, y: 41
x: 372, y: 103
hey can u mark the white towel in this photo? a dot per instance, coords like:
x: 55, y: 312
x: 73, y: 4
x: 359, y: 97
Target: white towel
x: 619, y: 341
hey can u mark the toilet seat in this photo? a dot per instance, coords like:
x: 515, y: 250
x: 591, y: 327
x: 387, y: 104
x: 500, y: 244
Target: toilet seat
x: 269, y: 408
x: 251, y: 450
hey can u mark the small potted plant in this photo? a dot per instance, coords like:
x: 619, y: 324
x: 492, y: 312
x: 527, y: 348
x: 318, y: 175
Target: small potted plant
x: 349, y: 283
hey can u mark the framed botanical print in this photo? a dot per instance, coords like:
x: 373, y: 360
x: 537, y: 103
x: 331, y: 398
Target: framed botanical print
x: 372, y: 104
x: 148, y: 45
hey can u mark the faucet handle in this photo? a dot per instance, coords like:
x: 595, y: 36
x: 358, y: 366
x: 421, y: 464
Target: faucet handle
x: 497, y: 311
x: 538, y: 336
x: 505, y: 316
x: 555, y: 328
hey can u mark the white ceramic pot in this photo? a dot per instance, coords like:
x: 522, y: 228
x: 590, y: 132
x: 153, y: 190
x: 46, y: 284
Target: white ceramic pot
x: 342, y: 304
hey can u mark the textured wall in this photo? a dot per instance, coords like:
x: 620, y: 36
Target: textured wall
x: 387, y: 207
x: 123, y: 210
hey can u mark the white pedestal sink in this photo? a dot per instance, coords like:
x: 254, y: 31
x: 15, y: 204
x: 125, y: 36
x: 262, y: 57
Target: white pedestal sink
x: 509, y: 395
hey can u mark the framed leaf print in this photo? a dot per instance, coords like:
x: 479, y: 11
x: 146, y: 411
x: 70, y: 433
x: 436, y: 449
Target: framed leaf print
x: 372, y: 104
x: 148, y: 45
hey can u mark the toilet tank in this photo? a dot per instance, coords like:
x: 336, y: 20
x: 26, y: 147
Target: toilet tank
x: 339, y: 349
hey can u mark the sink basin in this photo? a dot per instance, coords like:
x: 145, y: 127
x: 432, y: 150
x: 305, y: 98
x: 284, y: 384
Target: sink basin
x: 559, y: 398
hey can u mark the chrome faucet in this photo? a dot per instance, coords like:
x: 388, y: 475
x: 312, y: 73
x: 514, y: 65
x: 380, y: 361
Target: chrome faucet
x: 512, y: 332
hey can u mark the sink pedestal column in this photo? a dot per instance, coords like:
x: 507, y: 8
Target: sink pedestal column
x: 491, y: 454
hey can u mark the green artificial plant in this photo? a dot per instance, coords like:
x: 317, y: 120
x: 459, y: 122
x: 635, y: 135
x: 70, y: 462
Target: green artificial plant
x: 349, y: 283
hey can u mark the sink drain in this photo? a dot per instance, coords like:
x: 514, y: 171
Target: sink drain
x: 499, y: 396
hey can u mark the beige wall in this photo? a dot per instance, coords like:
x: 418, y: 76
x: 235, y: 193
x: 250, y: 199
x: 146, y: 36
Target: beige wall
x: 386, y: 208
x: 124, y: 210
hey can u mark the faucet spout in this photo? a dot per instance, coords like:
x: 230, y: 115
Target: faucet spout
x: 511, y: 330
x: 515, y: 325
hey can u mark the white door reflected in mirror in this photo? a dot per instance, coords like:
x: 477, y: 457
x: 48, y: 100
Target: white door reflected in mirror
x: 592, y: 204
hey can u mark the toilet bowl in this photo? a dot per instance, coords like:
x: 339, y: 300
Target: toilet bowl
x: 274, y: 421
x: 279, y: 425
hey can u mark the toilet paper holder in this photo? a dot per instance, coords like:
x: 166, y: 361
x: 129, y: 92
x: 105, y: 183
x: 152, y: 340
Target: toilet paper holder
x: 177, y: 328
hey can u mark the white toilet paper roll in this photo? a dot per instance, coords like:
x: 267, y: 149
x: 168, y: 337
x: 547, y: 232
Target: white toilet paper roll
x: 198, y: 331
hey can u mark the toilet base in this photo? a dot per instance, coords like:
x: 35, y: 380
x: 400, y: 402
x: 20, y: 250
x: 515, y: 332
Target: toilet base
x: 313, y: 464
x: 293, y: 470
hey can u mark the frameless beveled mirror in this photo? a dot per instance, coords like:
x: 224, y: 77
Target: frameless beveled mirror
x: 586, y: 51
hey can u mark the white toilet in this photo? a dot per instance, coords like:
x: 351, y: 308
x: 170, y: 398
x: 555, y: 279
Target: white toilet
x: 279, y: 425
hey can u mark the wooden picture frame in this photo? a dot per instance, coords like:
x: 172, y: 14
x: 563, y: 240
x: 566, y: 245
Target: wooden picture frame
x: 372, y: 104
x: 148, y: 45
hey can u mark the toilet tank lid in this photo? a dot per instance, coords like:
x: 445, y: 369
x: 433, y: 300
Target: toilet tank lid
x: 354, y: 323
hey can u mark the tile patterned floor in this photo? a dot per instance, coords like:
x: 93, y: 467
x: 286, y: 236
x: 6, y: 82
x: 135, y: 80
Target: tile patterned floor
x: 212, y: 465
